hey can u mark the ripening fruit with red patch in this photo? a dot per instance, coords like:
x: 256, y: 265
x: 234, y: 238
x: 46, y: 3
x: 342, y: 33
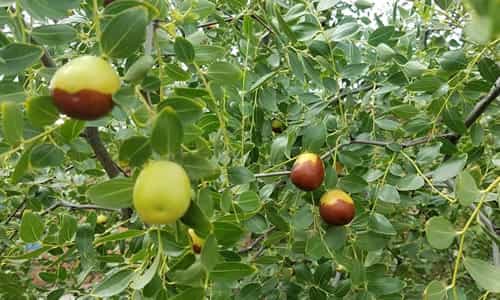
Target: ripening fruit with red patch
x: 337, y: 208
x: 277, y: 126
x: 308, y: 172
x: 196, y: 242
x: 339, y: 168
x: 83, y: 88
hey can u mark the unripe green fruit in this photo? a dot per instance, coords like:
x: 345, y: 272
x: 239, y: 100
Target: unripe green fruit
x: 83, y: 88
x: 162, y: 193
x: 277, y: 126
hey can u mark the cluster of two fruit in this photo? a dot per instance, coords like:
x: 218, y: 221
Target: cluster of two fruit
x: 336, y: 206
x: 83, y: 89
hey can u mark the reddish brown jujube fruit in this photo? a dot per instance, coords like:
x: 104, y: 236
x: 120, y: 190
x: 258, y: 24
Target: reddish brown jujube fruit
x: 308, y: 171
x: 337, y: 208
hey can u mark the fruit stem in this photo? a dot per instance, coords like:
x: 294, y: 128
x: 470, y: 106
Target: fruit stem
x: 466, y: 227
x: 97, y: 23
x: 451, y: 200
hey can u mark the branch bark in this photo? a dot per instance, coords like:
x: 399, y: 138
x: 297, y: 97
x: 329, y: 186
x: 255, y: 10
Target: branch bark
x: 479, y: 109
x: 482, y: 105
x: 102, y: 155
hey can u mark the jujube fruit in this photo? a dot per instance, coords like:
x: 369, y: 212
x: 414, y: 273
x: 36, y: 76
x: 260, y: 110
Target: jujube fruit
x: 196, y: 242
x: 308, y: 171
x: 277, y: 126
x: 84, y: 87
x: 162, y: 193
x: 336, y: 207
x: 101, y: 219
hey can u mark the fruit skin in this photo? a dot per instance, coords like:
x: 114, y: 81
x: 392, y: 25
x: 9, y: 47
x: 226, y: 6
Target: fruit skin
x: 277, y: 126
x: 308, y: 171
x: 101, y: 219
x: 83, y: 88
x: 337, y: 208
x: 196, y: 241
x: 162, y: 193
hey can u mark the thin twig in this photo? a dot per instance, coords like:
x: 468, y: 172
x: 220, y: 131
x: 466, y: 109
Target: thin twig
x: 75, y: 206
x: 364, y: 88
x: 18, y: 208
x: 252, y: 245
x: 272, y: 174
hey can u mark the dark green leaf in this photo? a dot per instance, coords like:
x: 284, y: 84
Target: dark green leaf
x: 114, y: 193
x: 167, y: 134
x: 184, y: 51
x: 231, y: 271
x: 114, y: 283
x: 41, y: 111
x: 439, y: 232
x: 46, y: 155
x: 32, y: 227
x: 15, y: 58
x: 484, y: 274
x: 125, y: 32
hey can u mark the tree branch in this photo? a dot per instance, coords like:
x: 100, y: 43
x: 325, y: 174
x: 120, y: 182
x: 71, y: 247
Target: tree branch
x: 344, y: 93
x: 483, y: 104
x: 479, y: 108
x: 102, y: 155
x: 272, y: 174
x: 75, y: 206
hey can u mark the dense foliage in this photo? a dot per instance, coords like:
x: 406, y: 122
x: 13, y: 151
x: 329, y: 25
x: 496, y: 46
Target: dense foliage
x: 399, y: 100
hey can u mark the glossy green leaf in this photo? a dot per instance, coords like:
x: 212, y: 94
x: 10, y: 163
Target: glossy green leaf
x: 135, y: 150
x: 224, y: 73
x: 57, y: 34
x: 140, y: 280
x: 196, y: 219
x: 41, y: 111
x: 12, y: 122
x: 484, y: 274
x: 32, y: 227
x: 439, y: 232
x: 449, y: 168
x: 167, y: 134
x: 199, y: 167
x: 114, y: 193
x: 209, y: 254
x: 46, y: 155
x: 240, y: 175
x: 435, y: 290
x: 125, y: 32
x: 231, y: 271
x: 466, y: 190
x: 114, y: 283
x: 15, y: 58
x: 184, y: 50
